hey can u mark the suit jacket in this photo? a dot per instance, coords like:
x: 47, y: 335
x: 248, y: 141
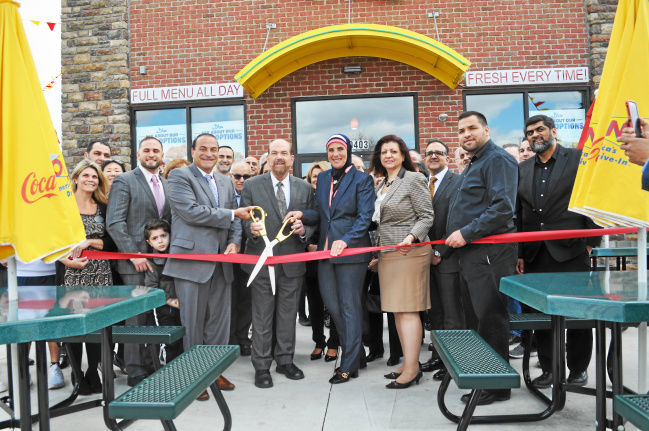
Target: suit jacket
x: 198, y: 225
x: 444, y: 194
x: 554, y: 214
x: 130, y: 205
x: 645, y: 179
x: 406, y: 208
x: 259, y: 191
x: 349, y: 216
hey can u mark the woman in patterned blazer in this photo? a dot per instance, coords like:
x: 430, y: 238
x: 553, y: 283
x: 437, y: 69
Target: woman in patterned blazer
x: 404, y: 213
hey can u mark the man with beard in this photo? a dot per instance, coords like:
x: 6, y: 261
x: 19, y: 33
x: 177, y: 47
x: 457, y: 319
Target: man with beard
x: 484, y: 205
x: 135, y: 197
x: 226, y: 158
x: 273, y: 313
x: 544, y: 187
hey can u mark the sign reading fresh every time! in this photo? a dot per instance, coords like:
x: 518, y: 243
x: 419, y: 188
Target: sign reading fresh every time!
x: 187, y: 92
x: 559, y: 75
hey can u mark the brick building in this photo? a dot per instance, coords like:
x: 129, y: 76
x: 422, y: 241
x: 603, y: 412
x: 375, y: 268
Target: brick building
x: 167, y: 68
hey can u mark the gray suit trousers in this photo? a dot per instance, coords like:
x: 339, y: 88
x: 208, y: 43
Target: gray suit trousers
x: 205, y: 309
x: 273, y: 318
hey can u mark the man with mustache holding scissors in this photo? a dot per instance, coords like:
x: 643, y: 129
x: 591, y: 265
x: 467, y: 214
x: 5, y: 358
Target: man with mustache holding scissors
x: 274, y: 305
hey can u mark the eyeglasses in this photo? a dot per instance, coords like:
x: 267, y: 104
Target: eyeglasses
x: 437, y: 153
x: 239, y: 176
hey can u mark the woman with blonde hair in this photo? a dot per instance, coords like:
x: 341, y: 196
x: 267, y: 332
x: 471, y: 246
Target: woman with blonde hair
x: 89, y: 187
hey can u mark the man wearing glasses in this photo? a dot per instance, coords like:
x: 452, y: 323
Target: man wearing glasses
x: 446, y: 308
x: 241, y: 315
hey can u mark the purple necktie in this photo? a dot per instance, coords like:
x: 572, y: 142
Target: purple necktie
x: 158, y: 194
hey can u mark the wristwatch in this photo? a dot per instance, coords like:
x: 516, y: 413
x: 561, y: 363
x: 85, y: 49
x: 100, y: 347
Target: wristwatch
x: 437, y: 253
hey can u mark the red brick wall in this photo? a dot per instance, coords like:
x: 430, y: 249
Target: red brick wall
x: 183, y: 42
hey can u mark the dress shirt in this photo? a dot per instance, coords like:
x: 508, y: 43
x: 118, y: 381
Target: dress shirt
x: 485, y: 203
x: 213, y: 174
x: 542, y: 174
x: 440, y: 177
x: 148, y: 175
x: 286, y: 185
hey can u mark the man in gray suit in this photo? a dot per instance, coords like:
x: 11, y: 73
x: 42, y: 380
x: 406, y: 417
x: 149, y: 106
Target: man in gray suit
x: 446, y: 309
x: 273, y: 317
x: 203, y: 221
x: 135, y: 197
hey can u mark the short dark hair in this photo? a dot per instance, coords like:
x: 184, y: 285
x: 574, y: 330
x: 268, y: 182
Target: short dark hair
x: 227, y: 146
x: 481, y: 118
x: 435, y: 140
x: 156, y: 223
x: 548, y: 121
x: 147, y: 138
x: 92, y: 144
x: 375, y: 163
x: 200, y: 136
x: 117, y: 162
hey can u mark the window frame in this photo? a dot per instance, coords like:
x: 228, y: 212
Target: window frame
x: 187, y: 105
x: 312, y: 157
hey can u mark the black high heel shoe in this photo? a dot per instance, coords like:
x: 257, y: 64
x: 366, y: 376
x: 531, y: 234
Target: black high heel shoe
x: 396, y: 385
x: 329, y: 358
x: 341, y: 377
x: 316, y: 356
x: 391, y: 376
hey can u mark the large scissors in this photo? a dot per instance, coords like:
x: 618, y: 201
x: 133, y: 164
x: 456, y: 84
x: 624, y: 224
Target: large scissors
x: 268, y: 250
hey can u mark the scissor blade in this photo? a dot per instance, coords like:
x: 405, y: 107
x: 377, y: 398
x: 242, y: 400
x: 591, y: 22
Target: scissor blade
x: 271, y: 273
x: 258, y: 266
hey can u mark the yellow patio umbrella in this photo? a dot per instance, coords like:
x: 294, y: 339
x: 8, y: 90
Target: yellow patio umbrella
x: 39, y: 218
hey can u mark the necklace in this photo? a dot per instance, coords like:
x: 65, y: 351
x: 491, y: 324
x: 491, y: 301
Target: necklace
x: 389, y: 183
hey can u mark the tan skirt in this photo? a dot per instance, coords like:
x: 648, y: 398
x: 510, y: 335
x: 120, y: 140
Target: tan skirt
x: 404, y: 280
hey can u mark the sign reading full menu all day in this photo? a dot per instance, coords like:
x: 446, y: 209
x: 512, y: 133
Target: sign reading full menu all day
x: 187, y: 92
x: 557, y: 75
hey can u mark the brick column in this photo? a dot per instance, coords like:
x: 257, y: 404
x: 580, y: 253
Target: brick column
x: 600, y: 16
x: 95, y: 67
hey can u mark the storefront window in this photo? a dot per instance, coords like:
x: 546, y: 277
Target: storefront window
x: 506, y: 112
x: 171, y: 127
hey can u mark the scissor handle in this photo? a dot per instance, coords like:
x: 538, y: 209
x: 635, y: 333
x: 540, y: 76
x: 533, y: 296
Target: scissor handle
x: 261, y: 219
x: 281, y: 236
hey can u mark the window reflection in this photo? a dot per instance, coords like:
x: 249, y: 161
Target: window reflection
x: 504, y: 113
x: 224, y: 122
x: 566, y: 108
x: 364, y: 120
x: 167, y: 125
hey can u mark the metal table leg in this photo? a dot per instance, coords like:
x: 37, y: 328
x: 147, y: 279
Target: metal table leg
x: 108, y: 387
x: 23, y: 386
x: 600, y: 376
x: 41, y: 381
x: 618, y: 389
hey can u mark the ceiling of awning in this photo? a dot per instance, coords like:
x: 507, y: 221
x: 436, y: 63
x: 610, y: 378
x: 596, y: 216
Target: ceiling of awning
x: 353, y: 40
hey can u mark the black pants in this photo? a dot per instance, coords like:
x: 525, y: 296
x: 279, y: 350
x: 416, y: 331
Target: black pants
x: 169, y: 316
x: 579, y: 342
x: 316, y: 314
x: 446, y: 300
x: 481, y: 268
x: 241, y: 308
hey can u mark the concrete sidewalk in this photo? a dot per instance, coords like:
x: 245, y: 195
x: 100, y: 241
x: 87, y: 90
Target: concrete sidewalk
x: 359, y: 405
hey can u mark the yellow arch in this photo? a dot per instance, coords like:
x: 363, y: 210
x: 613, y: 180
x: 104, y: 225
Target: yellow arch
x: 350, y: 40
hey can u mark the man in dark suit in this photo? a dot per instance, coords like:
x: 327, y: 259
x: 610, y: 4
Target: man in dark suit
x: 204, y: 220
x: 273, y: 314
x: 544, y: 189
x: 446, y: 308
x: 136, y: 197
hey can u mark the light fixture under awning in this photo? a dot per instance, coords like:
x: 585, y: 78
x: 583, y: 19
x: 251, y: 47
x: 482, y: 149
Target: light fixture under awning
x: 353, y: 40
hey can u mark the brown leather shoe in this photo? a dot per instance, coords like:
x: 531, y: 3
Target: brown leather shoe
x: 204, y: 396
x: 224, y: 384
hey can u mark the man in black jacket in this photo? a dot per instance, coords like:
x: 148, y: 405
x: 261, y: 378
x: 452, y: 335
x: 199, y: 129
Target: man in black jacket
x: 446, y: 309
x: 544, y: 188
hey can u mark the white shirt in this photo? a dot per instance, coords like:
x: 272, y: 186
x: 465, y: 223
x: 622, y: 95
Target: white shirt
x: 148, y: 175
x: 440, y: 177
x: 286, y: 186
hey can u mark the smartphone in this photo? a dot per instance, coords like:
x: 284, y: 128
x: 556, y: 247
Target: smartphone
x: 634, y: 117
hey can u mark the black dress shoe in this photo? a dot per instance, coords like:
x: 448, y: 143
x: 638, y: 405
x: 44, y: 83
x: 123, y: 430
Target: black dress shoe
x: 396, y: 385
x: 134, y: 380
x: 304, y: 321
x: 578, y: 379
x: 543, y: 381
x: 244, y: 350
x: 487, y: 397
x: 315, y: 356
x: 342, y: 377
x: 439, y: 376
x: 263, y: 379
x: 431, y: 347
x: 290, y: 371
x: 373, y: 356
x: 64, y: 361
x: 431, y: 365
x: 393, y: 360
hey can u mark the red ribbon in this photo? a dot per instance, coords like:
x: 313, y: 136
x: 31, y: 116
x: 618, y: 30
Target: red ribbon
x: 252, y: 259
